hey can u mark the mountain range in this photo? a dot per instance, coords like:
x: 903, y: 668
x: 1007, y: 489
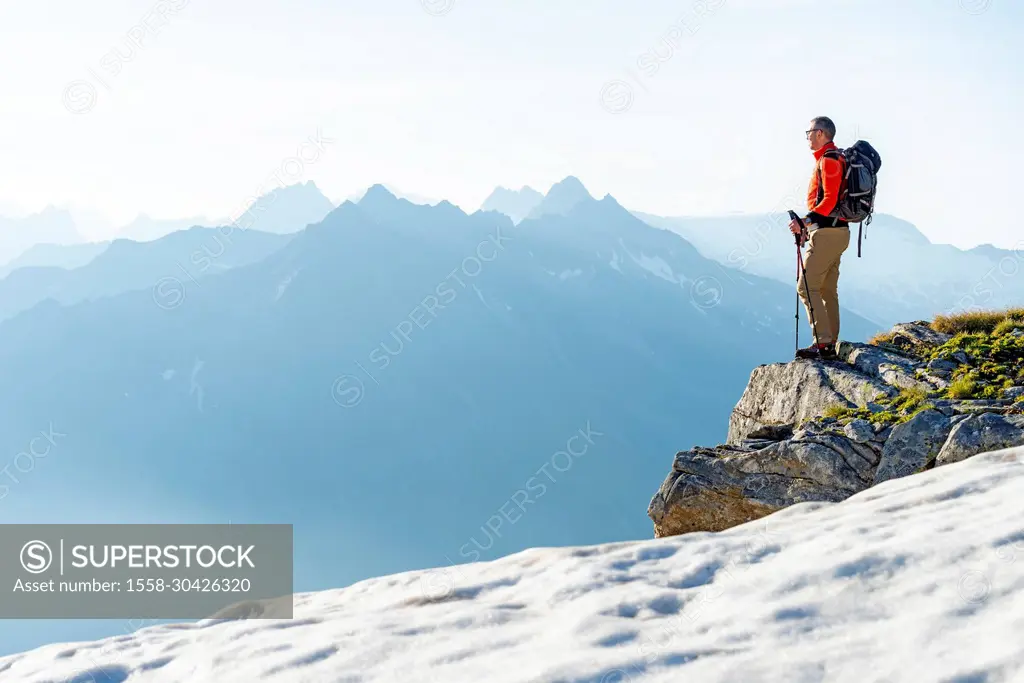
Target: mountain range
x: 49, y: 226
x: 144, y: 228
x: 124, y: 265
x: 66, y: 256
x: 389, y: 379
x: 30, y: 240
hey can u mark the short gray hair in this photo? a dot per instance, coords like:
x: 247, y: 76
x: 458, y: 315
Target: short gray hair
x: 824, y: 124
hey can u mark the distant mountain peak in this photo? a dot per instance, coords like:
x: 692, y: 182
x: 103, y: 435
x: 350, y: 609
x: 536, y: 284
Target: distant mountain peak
x: 395, y: 192
x: 307, y: 188
x: 378, y: 192
x: 516, y: 204
x: 562, y: 198
x: 287, y: 209
x: 447, y: 205
x: 382, y: 205
x: 570, y: 184
x: 525, y: 190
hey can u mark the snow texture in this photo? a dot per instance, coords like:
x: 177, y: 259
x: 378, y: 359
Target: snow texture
x: 918, y: 579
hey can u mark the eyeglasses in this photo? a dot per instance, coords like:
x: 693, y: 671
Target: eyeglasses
x: 807, y: 133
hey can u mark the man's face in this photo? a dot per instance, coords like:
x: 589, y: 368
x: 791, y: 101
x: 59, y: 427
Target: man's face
x: 815, y: 137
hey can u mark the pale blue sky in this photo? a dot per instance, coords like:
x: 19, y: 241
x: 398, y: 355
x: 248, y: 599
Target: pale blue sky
x: 509, y: 92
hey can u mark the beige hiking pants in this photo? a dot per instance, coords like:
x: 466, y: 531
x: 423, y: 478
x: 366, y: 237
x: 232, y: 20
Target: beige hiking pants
x: 821, y: 268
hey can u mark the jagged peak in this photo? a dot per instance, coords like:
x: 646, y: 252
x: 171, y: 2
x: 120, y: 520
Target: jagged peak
x: 570, y: 185
x: 378, y: 192
x: 446, y: 205
x: 609, y: 200
x: 562, y: 198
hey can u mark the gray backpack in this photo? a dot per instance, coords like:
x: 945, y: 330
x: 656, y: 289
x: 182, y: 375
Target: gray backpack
x: 856, y: 202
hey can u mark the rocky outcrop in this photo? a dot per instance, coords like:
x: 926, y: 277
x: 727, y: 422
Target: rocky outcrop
x: 788, y: 393
x: 822, y: 431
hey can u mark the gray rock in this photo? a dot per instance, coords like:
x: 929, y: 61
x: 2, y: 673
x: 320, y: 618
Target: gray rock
x: 913, y: 445
x: 711, y: 489
x: 1013, y: 393
x: 772, y: 432
x: 882, y: 433
x: 979, y: 434
x: 962, y: 358
x: 920, y: 333
x: 937, y: 381
x: 755, y: 444
x: 789, y: 393
x: 940, y: 365
x: 813, y: 428
x: 859, y: 430
x: 981, y: 406
x: 892, y: 368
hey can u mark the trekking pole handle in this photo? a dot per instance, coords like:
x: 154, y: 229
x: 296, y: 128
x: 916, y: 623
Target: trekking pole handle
x: 803, y: 228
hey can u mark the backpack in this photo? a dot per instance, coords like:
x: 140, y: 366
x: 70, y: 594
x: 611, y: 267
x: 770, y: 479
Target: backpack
x: 856, y: 202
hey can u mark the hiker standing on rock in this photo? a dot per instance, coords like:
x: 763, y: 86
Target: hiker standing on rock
x: 827, y: 236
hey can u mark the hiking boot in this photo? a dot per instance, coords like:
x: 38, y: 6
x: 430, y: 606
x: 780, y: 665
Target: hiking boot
x: 818, y: 352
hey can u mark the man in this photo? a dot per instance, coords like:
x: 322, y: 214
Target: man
x: 827, y: 237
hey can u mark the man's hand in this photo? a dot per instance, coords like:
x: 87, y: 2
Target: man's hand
x: 799, y: 232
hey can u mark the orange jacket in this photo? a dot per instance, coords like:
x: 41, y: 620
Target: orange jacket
x: 821, y: 200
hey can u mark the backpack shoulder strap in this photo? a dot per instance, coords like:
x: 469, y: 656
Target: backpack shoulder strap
x: 837, y: 154
x: 834, y: 153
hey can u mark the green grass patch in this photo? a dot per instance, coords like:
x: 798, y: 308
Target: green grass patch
x: 837, y: 411
x: 989, y: 360
x: 1007, y: 325
x: 974, y: 322
x: 900, y: 408
x: 882, y: 338
x: 961, y: 388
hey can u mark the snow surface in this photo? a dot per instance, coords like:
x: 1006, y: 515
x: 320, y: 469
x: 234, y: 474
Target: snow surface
x: 919, y: 579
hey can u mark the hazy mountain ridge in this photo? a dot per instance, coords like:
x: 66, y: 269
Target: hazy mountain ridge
x: 124, y: 265
x: 144, y: 228
x: 516, y: 204
x: 66, y: 256
x: 281, y: 210
x: 286, y: 209
x: 49, y: 226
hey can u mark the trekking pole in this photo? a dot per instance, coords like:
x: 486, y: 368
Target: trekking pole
x: 807, y: 289
x: 796, y: 295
